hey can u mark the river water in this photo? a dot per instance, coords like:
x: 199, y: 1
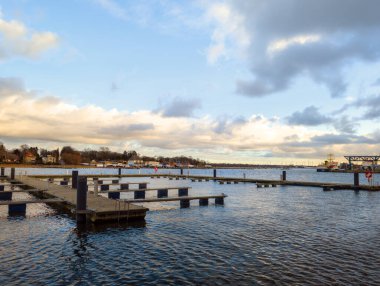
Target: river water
x: 267, y: 236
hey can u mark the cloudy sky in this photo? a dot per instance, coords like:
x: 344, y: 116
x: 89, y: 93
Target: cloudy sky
x: 260, y: 81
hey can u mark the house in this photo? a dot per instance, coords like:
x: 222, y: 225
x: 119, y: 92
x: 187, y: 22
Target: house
x: 29, y: 157
x: 49, y: 159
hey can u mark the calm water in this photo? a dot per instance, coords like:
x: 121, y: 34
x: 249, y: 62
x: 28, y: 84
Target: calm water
x: 273, y: 236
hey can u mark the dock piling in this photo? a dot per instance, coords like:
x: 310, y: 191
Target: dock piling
x: 284, y: 175
x: 17, y: 209
x: 214, y: 173
x: 119, y: 172
x: 356, y: 179
x: 183, y: 192
x: 124, y: 186
x: 13, y: 171
x: 74, y: 179
x: 81, y: 199
x: 1, y: 188
x: 219, y: 201
x: 5, y: 196
x: 2, y: 171
x: 203, y: 202
x: 184, y: 203
x: 96, y: 186
x: 162, y: 193
x: 114, y: 195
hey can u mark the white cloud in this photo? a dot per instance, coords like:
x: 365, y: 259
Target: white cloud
x: 17, y: 40
x: 113, y: 8
x: 282, y: 44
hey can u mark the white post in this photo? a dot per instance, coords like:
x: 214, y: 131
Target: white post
x: 96, y: 187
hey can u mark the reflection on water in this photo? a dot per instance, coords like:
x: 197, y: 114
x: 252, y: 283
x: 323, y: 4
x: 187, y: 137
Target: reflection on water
x: 269, y: 236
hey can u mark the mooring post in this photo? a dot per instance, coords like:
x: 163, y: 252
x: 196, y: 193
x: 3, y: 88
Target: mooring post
x: 181, y: 171
x: 2, y: 171
x: 114, y: 195
x: 284, y: 175
x: 184, y: 203
x: 74, y: 179
x: 81, y: 198
x: 17, y: 209
x: 356, y: 179
x: 6, y: 196
x: 183, y: 192
x: 119, y: 172
x: 219, y: 201
x: 162, y: 193
x: 214, y: 173
x: 124, y: 186
x: 1, y: 188
x: 203, y: 202
x: 13, y: 171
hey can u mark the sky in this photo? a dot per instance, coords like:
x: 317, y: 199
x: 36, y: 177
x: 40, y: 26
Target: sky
x: 260, y: 81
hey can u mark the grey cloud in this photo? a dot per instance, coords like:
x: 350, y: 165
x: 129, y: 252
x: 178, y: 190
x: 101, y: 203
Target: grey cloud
x: 345, y: 125
x: 180, y: 107
x: 310, y: 116
x: 9, y: 86
x: 122, y: 130
x: 348, y: 32
x: 371, y: 104
x: 225, y: 125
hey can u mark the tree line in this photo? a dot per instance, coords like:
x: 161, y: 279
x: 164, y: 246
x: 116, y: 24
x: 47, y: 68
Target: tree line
x: 71, y: 156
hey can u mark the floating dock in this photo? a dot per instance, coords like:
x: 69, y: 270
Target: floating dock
x: 98, y: 209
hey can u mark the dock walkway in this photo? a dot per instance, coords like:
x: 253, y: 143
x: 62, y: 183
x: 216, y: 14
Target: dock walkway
x: 99, y: 208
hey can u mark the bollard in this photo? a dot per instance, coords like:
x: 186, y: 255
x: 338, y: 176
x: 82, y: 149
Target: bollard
x: 183, y: 192
x: 104, y: 187
x: 74, y: 179
x: 17, y: 209
x: 203, y: 202
x: 1, y: 188
x: 185, y: 203
x: 119, y: 172
x: 139, y: 195
x: 214, y: 173
x: 162, y: 193
x: 13, y: 171
x: 142, y: 186
x: 5, y: 196
x: 181, y: 171
x: 219, y: 201
x: 124, y: 186
x: 356, y: 179
x: 114, y: 195
x: 284, y: 175
x: 2, y: 171
x: 81, y: 199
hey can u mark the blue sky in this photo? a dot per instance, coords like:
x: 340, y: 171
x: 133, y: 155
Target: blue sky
x: 228, y: 81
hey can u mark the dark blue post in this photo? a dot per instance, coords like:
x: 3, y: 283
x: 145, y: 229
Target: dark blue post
x: 284, y: 175
x: 183, y: 192
x: 356, y: 179
x: 13, y: 171
x: 81, y: 199
x: 185, y: 203
x: 114, y: 195
x: 219, y: 201
x: 63, y: 183
x: 2, y: 171
x: 5, y: 196
x: 214, y: 173
x: 104, y: 187
x: 119, y: 172
x: 74, y: 179
x: 17, y: 209
x: 181, y: 171
x: 203, y: 202
x: 162, y: 193
x: 142, y: 186
x: 124, y: 186
x: 1, y: 188
x: 139, y: 195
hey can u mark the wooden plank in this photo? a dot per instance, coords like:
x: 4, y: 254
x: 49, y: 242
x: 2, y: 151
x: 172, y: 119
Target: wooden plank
x: 170, y: 199
x: 42, y: 201
x: 149, y: 189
